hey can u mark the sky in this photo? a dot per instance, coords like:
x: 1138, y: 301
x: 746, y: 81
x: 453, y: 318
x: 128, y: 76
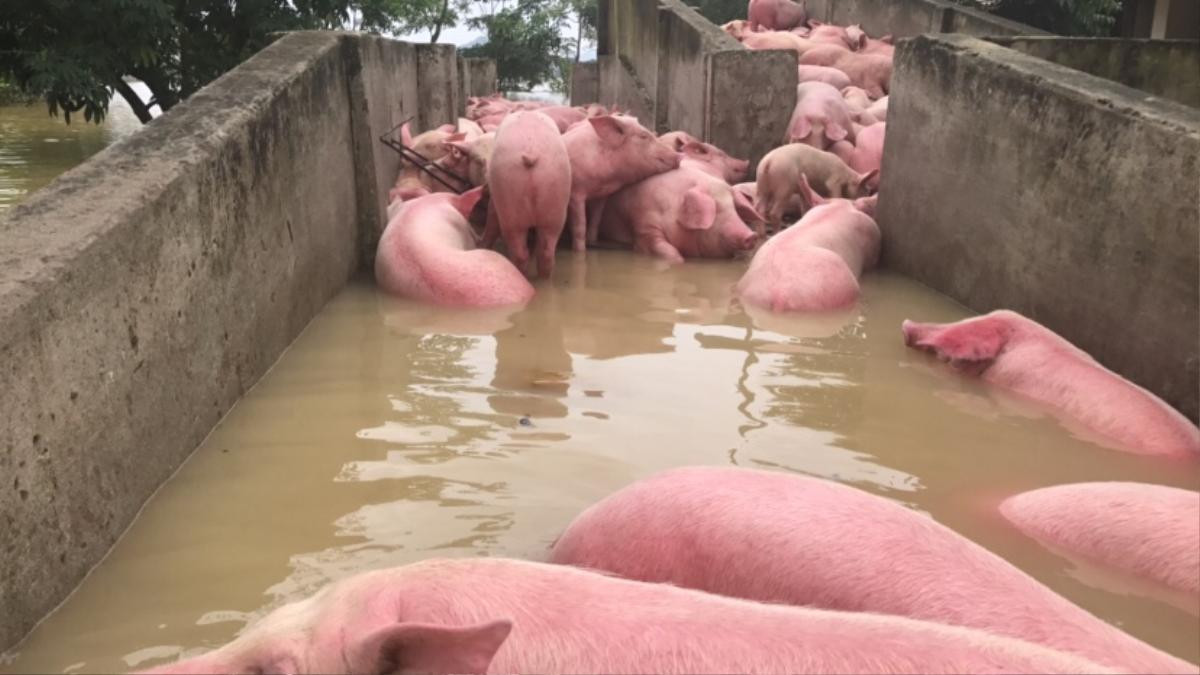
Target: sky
x: 462, y: 34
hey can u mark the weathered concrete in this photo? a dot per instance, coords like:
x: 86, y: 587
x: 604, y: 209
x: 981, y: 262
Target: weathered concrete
x: 143, y: 292
x: 437, y: 70
x: 585, y: 83
x: 1167, y: 68
x: 674, y: 70
x: 1013, y: 182
x: 476, y: 77
x: 905, y: 18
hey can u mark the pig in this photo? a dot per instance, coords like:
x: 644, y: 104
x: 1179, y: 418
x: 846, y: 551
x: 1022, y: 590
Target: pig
x: 494, y: 615
x: 475, y: 156
x: 794, y: 209
x: 683, y: 213
x: 413, y: 182
x: 714, y: 161
x: 881, y: 46
x: 821, y: 116
x: 872, y: 72
x: 831, y: 76
x: 1148, y: 531
x: 865, y: 155
x: 813, y: 266
x: 469, y: 129
x: 878, y: 110
x: 1011, y: 351
x: 780, y: 172
x: 736, y: 29
x: 855, y: 97
x: 850, y: 37
x: 428, y: 253
x: 607, y: 154
x: 785, y: 538
x: 779, y: 40
x: 777, y: 15
x: 529, y: 178
x: 677, y: 139
x: 564, y: 116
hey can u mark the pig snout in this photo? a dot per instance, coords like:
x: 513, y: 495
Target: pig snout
x: 738, y: 168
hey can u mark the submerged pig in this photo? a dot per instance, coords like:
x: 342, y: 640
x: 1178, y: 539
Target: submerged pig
x: 529, y: 178
x: 784, y: 538
x: 814, y: 265
x: 821, y: 116
x: 1011, y: 351
x: 776, y: 14
x: 475, y: 616
x: 681, y: 214
x: 1148, y: 531
x: 606, y: 154
x: 780, y: 174
x: 428, y: 253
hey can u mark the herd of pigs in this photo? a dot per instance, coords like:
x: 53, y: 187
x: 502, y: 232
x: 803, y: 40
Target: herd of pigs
x: 727, y: 570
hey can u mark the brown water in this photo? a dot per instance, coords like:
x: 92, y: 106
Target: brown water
x: 390, y: 433
x: 35, y: 147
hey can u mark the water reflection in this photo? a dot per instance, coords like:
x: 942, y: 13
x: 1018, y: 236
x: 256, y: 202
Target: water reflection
x: 392, y: 432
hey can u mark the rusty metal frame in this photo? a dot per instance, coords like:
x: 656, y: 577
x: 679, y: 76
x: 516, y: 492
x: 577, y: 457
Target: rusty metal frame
x: 437, y: 172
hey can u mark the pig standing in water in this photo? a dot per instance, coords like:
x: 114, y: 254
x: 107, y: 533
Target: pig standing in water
x: 685, y: 213
x: 776, y: 14
x: 1019, y: 354
x: 821, y: 116
x: 815, y: 264
x: 606, y: 154
x: 428, y: 253
x: 507, y: 616
x: 785, y: 538
x: 1149, y: 531
x: 780, y: 176
x: 529, y: 177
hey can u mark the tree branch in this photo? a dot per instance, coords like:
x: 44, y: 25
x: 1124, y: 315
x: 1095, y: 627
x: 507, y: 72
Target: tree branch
x: 139, y: 107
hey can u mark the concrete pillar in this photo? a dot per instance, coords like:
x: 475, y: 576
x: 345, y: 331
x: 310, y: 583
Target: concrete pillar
x: 482, y: 79
x: 750, y: 95
x: 585, y: 83
x: 437, y: 75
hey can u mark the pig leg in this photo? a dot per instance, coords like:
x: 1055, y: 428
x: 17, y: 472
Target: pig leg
x: 546, y: 244
x: 661, y: 248
x: 518, y: 248
x: 595, y: 211
x: 577, y: 222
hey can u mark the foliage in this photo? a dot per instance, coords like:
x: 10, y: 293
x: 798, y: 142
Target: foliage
x: 720, y: 11
x: 11, y: 94
x: 401, y: 17
x: 1065, y: 17
x: 525, y: 39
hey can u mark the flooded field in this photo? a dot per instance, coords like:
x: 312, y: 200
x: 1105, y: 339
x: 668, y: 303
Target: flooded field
x: 390, y: 433
x: 35, y: 147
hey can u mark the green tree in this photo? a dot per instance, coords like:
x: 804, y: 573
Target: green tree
x: 401, y: 17
x: 1065, y: 17
x: 525, y: 39
x: 720, y: 11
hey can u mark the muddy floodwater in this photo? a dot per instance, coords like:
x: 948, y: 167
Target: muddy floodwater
x: 389, y: 433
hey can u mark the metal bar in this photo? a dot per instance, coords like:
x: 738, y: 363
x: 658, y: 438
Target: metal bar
x: 435, y: 171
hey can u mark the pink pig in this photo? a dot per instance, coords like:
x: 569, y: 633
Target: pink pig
x: 779, y: 39
x: 785, y: 538
x: 737, y: 29
x: 865, y: 155
x: 482, y: 615
x: 608, y: 153
x: 815, y: 264
x: 872, y: 72
x: 850, y: 37
x: 831, y: 76
x: 684, y: 213
x: 714, y: 161
x: 776, y: 14
x: 564, y: 116
x: 1149, y: 531
x: 821, y: 116
x: 1019, y: 354
x: 428, y: 253
x: 529, y: 178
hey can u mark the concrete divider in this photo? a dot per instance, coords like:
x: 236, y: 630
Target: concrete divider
x: 585, y: 83
x: 1167, y: 68
x: 437, y: 70
x: 669, y: 66
x: 143, y: 292
x: 476, y: 77
x: 1013, y: 182
x: 905, y: 18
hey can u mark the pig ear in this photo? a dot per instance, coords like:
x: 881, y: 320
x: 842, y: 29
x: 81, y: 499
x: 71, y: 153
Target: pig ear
x: 406, y: 135
x: 745, y: 209
x: 431, y: 649
x: 693, y: 148
x: 802, y: 129
x: 835, y: 132
x: 699, y: 210
x: 814, y: 23
x: 465, y: 203
x: 448, y: 128
x: 608, y: 128
x: 966, y: 345
x: 866, y: 178
x: 888, y: 39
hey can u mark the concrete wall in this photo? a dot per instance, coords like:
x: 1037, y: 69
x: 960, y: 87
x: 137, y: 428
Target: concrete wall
x: 143, y: 292
x: 1167, y: 68
x: 476, y: 77
x: 585, y: 83
x: 905, y: 18
x: 1013, y: 182
x: 437, y: 70
x: 674, y: 70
